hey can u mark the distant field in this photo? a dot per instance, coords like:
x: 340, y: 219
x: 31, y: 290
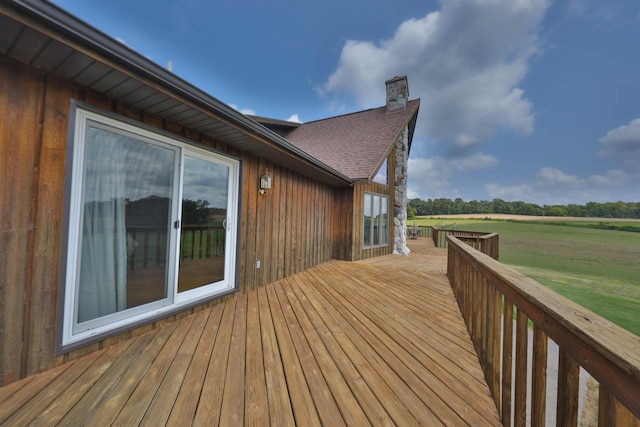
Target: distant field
x: 597, y: 268
x: 531, y: 218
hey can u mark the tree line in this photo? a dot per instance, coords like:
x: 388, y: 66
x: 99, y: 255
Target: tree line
x: 442, y: 206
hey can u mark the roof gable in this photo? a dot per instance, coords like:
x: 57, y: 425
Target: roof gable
x: 355, y: 144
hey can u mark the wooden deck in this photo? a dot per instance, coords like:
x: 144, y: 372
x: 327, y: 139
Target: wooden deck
x: 378, y: 342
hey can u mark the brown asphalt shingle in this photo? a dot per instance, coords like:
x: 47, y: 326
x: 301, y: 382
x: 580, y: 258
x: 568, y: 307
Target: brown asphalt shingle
x: 354, y: 144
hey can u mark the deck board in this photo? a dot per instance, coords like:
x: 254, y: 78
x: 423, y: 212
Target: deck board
x: 377, y: 342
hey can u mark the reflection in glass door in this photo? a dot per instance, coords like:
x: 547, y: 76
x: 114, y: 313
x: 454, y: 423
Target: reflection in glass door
x: 203, y: 232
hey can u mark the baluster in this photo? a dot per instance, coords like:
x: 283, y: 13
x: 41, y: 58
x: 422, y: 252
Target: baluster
x: 507, y: 358
x: 539, y: 378
x: 522, y: 337
x: 496, y: 310
x: 568, y: 389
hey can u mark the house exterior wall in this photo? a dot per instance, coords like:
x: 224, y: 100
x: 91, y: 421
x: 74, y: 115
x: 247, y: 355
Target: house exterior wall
x: 289, y: 229
x: 350, y: 218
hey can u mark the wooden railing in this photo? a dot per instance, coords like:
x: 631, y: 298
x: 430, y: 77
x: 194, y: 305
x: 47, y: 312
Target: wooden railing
x: 490, y: 294
x: 419, y: 230
x: 196, y: 242
x: 487, y: 243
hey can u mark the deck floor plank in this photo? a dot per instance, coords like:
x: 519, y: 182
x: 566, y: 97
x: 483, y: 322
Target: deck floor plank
x: 386, y: 349
x: 66, y: 400
x: 372, y: 408
x: 346, y: 403
x: 324, y: 401
x: 26, y: 412
x: 10, y: 390
x: 190, y: 393
x: 210, y: 404
x: 416, y: 325
x: 302, y: 402
x: 139, y: 401
x: 84, y: 409
x: 409, y: 346
x: 233, y: 398
x: 358, y: 330
x: 256, y: 406
x: 22, y: 396
x: 194, y: 348
x: 377, y: 342
x: 280, y: 411
x: 379, y: 380
x: 113, y: 403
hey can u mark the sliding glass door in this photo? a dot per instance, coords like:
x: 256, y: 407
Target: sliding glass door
x: 151, y: 225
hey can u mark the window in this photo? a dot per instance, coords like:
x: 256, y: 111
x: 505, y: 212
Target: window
x: 150, y: 226
x: 381, y: 176
x: 376, y: 220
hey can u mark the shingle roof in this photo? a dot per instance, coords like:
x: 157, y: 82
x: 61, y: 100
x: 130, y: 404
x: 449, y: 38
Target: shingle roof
x: 354, y: 144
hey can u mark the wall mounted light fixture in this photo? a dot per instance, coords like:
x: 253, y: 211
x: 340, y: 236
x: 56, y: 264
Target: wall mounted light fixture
x: 265, y: 182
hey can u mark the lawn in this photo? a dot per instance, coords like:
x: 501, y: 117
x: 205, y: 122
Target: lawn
x: 597, y: 268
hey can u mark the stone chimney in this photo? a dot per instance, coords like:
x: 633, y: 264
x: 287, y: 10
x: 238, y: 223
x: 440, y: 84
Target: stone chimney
x: 397, y: 94
x: 397, y: 98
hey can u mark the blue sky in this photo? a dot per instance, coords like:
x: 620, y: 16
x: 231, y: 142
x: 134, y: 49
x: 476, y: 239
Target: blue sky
x: 527, y: 100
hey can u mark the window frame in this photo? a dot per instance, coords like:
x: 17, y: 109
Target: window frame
x: 376, y: 228
x: 67, y: 338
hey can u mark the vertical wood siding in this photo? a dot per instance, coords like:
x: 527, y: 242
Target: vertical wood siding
x: 289, y: 229
x: 358, y: 228
x: 349, y: 218
x: 351, y: 236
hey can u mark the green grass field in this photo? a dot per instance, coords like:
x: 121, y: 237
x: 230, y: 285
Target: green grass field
x: 597, y: 268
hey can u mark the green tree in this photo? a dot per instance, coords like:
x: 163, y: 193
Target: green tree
x: 411, y: 212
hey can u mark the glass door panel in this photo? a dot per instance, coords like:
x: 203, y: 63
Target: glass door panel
x: 124, y: 243
x: 203, y: 231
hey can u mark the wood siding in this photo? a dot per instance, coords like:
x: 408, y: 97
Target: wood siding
x: 350, y: 218
x: 288, y: 230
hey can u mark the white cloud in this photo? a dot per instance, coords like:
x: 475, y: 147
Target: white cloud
x: 123, y: 42
x: 245, y: 111
x: 622, y: 140
x: 478, y: 161
x: 550, y: 177
x: 611, y: 178
x: 553, y: 186
x: 432, y: 175
x: 509, y: 193
x: 294, y: 118
x: 464, y: 61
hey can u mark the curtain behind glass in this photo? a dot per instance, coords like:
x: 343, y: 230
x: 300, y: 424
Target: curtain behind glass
x: 118, y: 170
x: 103, y: 267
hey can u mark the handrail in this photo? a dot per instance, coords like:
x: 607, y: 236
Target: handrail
x: 488, y: 293
x: 423, y: 230
x: 485, y: 242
